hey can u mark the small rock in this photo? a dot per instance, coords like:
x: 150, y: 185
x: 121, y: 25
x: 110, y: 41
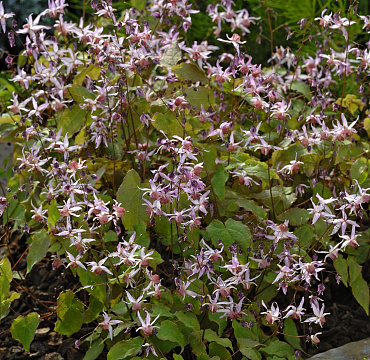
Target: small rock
x: 357, y: 350
x: 53, y: 356
x: 16, y: 350
x: 42, y: 331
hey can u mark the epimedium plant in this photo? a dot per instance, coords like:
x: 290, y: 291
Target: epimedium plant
x: 200, y: 200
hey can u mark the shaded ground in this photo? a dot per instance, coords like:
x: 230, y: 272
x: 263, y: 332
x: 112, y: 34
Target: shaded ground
x: 348, y: 321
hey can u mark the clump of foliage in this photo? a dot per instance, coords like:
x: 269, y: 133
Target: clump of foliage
x: 185, y: 190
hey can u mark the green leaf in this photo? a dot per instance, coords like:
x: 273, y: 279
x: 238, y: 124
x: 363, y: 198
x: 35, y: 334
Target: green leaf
x: 196, y: 343
x: 219, y: 180
x: 354, y: 269
x: 94, y: 284
x: 125, y: 349
x: 171, y: 56
x: 177, y: 357
x: 72, y: 120
x: 6, y: 277
x: 95, y: 350
x: 211, y: 336
x: 188, y: 320
x: 304, y: 234
x: 360, y: 288
x: 168, y: 123
x: 200, y: 96
x: 243, y: 332
x: 5, y: 304
x: 53, y: 212
x: 38, y: 249
x: 219, y: 350
x: 341, y: 266
x: 138, y: 4
x: 301, y: 88
x: 92, y: 71
x: 142, y: 237
x: 259, y: 170
x: 283, y: 198
x: 296, y: 216
x: 130, y: 196
x: 70, y: 314
x: 251, y: 354
x: 23, y: 329
x: 170, y: 331
x: 189, y: 72
x: 278, y: 348
x: 110, y: 236
x: 78, y: 93
x: 358, y: 167
x: 156, y: 259
x: 291, y: 334
x: 252, y: 206
x: 208, y: 158
x: 232, y: 231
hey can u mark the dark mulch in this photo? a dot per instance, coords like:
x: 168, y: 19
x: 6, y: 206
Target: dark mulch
x: 348, y: 321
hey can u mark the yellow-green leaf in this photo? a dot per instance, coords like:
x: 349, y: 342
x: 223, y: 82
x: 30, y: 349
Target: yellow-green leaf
x: 38, y: 249
x: 23, y: 329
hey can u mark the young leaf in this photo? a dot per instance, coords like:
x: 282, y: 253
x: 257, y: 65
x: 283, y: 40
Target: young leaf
x: 23, y: 329
x: 38, y: 249
x: 53, y: 212
x: 5, y: 278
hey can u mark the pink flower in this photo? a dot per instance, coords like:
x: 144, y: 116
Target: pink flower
x: 147, y: 325
x: 107, y: 324
x: 4, y: 17
x: 319, y: 317
x: 272, y: 314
